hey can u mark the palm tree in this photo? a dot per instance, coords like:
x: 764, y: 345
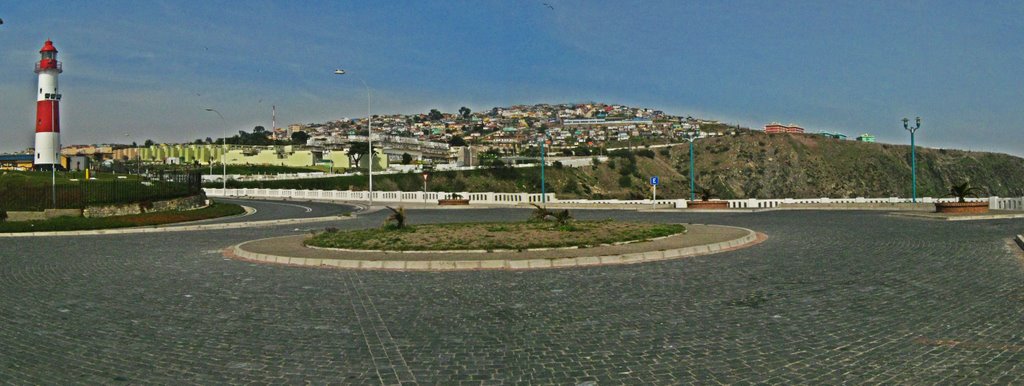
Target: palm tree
x: 397, y: 216
x: 963, y: 190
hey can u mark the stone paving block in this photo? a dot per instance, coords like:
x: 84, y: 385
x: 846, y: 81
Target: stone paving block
x: 832, y: 297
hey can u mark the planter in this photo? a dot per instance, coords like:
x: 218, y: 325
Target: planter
x: 453, y: 201
x: 710, y: 204
x: 961, y: 207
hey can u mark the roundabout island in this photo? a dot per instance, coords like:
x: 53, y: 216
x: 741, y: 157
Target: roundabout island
x: 474, y: 246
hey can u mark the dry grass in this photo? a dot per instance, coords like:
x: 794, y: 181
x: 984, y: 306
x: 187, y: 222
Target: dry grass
x: 494, y: 236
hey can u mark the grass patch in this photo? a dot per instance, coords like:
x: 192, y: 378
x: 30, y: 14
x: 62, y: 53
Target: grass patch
x: 491, y: 236
x: 156, y: 218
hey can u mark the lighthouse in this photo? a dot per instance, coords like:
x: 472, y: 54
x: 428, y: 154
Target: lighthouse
x: 48, y: 109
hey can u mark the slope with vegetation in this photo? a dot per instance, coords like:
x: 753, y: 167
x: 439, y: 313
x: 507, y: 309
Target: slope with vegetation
x: 749, y: 165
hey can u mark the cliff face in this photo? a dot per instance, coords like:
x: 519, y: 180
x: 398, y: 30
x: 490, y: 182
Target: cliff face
x: 757, y: 165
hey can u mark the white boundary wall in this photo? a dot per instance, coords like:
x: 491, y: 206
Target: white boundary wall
x: 491, y: 198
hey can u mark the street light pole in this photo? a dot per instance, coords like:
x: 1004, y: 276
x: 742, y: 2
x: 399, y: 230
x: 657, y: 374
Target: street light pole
x: 223, y: 145
x: 913, y: 155
x: 691, y: 137
x: 369, y: 131
x: 543, y: 189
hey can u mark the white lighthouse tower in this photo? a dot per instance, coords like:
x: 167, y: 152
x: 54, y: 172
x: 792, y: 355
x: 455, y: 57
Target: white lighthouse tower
x: 48, y: 109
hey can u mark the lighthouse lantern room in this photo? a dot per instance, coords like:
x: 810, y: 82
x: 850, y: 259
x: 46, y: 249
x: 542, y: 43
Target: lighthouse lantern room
x: 48, y: 109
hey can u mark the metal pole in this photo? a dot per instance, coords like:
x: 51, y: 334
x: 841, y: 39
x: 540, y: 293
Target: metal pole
x: 543, y: 194
x: 913, y: 168
x: 913, y: 155
x: 369, y: 130
x: 369, y: 137
x: 223, y: 144
x: 693, y: 195
x: 53, y: 180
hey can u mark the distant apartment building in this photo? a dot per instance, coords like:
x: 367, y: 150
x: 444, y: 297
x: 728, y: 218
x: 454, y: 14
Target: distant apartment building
x: 776, y: 128
x: 832, y: 135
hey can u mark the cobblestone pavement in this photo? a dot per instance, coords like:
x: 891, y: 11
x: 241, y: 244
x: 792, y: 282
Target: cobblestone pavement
x: 830, y: 297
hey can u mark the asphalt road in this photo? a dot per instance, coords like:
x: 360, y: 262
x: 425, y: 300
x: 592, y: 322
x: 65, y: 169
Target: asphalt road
x: 830, y: 297
x: 273, y: 210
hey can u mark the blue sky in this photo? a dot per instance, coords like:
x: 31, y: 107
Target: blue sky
x: 149, y: 68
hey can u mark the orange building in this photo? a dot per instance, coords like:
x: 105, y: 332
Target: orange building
x: 775, y: 127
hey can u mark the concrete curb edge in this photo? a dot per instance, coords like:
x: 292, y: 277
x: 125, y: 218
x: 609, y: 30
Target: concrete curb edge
x: 750, y: 239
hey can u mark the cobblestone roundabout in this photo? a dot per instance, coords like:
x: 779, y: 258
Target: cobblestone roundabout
x: 830, y: 297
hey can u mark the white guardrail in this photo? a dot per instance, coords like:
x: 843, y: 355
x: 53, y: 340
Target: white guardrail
x: 491, y: 198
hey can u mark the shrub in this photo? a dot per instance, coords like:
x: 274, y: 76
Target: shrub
x: 625, y: 181
x: 665, y: 152
x: 963, y: 190
x: 396, y: 220
x: 3, y: 215
x: 595, y: 161
x: 557, y: 164
x: 645, y: 153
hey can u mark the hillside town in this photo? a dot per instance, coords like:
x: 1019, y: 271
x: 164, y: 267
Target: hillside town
x: 501, y: 135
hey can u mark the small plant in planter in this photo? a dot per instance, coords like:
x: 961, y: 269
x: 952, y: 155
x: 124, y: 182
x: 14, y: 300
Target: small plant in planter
x: 455, y: 199
x: 706, y: 202
x: 705, y: 194
x: 961, y: 192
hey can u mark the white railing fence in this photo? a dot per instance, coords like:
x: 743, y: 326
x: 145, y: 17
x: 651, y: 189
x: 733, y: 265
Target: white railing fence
x: 492, y: 198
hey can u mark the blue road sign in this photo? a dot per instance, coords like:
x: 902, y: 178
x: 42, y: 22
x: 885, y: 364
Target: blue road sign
x: 654, y: 180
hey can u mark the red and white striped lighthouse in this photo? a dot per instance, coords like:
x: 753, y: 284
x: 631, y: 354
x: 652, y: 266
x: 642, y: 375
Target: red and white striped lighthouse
x: 48, y: 109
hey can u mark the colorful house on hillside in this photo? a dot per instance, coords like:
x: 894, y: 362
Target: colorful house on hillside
x: 777, y: 128
x: 833, y: 135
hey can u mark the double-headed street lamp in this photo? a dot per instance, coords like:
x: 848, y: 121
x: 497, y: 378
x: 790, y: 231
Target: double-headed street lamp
x: 223, y: 145
x: 369, y: 131
x: 913, y: 155
x: 692, y: 136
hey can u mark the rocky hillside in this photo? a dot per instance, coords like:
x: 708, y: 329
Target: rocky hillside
x: 754, y: 164
x: 749, y: 165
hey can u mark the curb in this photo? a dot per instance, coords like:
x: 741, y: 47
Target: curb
x: 996, y: 216
x: 1020, y: 241
x: 752, y: 238
x: 184, y: 228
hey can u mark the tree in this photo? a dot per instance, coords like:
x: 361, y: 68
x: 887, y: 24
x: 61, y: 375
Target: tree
x: 464, y: 112
x: 259, y: 130
x: 456, y: 141
x: 435, y: 115
x: 406, y: 158
x: 300, y: 137
x: 397, y: 217
x: 148, y: 143
x: 356, y: 151
x: 209, y: 140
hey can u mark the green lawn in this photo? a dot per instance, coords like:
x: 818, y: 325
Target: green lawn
x: 156, y: 218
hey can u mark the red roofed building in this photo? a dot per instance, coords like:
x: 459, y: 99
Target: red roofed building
x: 775, y: 127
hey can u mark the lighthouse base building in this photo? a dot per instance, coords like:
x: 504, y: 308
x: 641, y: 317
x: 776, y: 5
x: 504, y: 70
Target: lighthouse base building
x: 47, y: 154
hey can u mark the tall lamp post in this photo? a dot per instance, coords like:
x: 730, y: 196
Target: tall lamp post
x: 913, y: 155
x: 223, y: 150
x: 692, y: 136
x: 369, y: 131
x: 543, y: 185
